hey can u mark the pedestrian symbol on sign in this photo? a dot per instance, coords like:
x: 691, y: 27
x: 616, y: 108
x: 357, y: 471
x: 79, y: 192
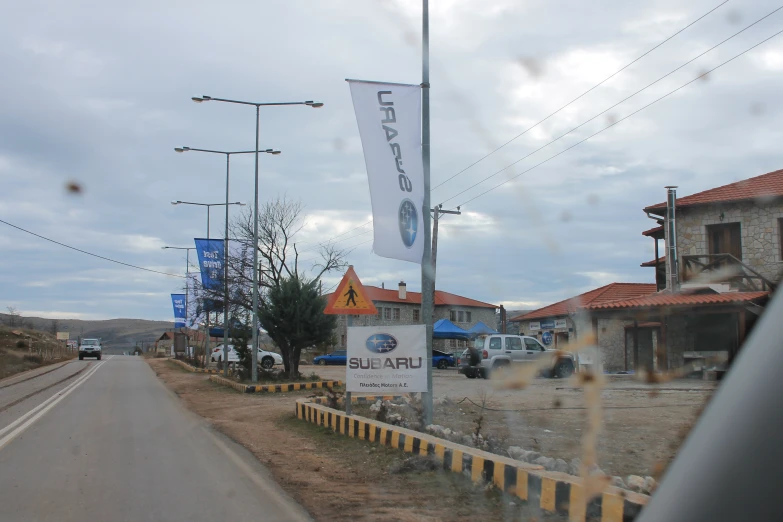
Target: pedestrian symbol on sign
x: 351, y: 293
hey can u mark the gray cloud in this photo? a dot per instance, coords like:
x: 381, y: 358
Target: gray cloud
x: 101, y: 94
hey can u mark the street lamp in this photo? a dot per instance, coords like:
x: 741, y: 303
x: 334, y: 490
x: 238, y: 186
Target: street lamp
x: 228, y: 155
x: 208, y: 205
x: 309, y: 103
x: 187, y: 274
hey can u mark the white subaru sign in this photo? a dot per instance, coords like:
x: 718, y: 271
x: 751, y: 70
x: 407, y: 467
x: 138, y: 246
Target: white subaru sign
x: 389, y: 119
x: 383, y: 359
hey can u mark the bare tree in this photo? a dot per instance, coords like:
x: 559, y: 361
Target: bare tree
x: 14, y: 317
x: 280, y: 222
x: 54, y: 326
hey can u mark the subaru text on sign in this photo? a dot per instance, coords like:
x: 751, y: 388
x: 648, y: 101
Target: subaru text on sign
x: 389, y: 119
x: 387, y: 359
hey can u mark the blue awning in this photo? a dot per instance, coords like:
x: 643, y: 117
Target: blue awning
x: 480, y: 329
x: 445, y: 329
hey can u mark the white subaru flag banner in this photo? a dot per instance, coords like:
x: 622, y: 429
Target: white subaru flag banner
x: 389, y: 118
x: 383, y: 359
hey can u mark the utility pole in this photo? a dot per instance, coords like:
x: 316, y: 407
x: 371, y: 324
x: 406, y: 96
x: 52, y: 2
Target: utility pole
x: 436, y: 213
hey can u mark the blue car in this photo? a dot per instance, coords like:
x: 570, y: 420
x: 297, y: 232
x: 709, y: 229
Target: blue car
x: 336, y: 357
x: 442, y: 360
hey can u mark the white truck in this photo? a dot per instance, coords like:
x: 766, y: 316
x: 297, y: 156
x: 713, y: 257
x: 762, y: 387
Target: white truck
x: 490, y: 352
x: 90, y: 348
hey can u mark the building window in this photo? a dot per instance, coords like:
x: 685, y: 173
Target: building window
x: 467, y: 317
x: 380, y: 312
x: 416, y: 315
x: 387, y: 314
x: 460, y: 316
x: 453, y: 316
x: 780, y: 236
x: 452, y: 343
x: 396, y: 314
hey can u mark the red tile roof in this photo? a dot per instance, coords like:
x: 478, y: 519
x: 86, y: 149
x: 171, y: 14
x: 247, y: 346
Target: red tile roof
x: 766, y: 186
x: 387, y: 295
x: 653, y: 232
x: 664, y: 298
x: 661, y: 260
x: 610, y: 292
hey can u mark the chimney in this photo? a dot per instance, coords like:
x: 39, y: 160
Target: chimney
x: 671, y: 239
x: 383, y: 285
x: 403, y: 290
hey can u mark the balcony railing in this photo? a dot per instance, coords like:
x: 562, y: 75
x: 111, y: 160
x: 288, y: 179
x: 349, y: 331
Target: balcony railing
x: 724, y: 268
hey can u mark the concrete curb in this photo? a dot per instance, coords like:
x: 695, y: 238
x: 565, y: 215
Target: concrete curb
x: 274, y: 388
x: 550, y: 490
x: 192, y: 368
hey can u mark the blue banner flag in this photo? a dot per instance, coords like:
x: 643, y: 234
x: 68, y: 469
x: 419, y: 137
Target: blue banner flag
x: 178, y: 300
x: 210, y: 262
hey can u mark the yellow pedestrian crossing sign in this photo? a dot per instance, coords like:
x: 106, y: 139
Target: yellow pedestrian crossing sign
x: 350, y: 297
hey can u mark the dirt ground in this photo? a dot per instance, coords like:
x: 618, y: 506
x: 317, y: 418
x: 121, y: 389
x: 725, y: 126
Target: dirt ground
x: 15, y: 359
x: 642, y: 429
x: 334, y: 477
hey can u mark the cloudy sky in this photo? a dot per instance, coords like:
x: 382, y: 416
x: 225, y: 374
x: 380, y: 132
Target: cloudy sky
x: 99, y: 93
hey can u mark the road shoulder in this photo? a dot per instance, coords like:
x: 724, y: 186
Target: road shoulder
x: 334, y: 478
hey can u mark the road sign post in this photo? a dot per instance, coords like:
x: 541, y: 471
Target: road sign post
x: 350, y: 299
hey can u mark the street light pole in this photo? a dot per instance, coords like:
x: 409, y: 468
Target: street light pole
x: 254, y: 352
x: 225, y: 246
x: 310, y: 103
x: 225, y: 254
x: 427, y: 276
x: 187, y: 275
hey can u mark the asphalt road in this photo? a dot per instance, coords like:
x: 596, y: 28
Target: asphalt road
x: 107, y: 441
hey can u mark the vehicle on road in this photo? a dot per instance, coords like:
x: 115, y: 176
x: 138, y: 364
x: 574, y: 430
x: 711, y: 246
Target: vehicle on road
x: 442, y: 360
x: 336, y: 357
x: 493, y: 352
x: 266, y: 359
x: 90, y: 348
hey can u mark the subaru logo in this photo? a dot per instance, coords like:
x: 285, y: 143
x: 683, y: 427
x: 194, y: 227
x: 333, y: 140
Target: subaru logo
x: 381, y: 343
x: 409, y: 222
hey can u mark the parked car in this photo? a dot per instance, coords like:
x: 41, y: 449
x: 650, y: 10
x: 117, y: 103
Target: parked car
x: 90, y: 348
x: 336, y: 357
x: 442, y: 360
x: 266, y: 359
x: 490, y: 352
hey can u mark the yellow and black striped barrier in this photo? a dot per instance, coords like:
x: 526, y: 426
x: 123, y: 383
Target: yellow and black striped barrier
x: 274, y: 388
x: 552, y: 491
x: 193, y: 368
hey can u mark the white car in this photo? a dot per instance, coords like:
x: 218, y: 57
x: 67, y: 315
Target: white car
x: 90, y: 348
x: 265, y: 359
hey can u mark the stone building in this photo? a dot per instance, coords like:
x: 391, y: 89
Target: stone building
x: 564, y: 322
x: 400, y: 307
x: 743, y: 220
x: 727, y: 261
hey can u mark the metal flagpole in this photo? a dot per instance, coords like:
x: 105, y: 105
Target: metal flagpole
x: 206, y: 340
x: 348, y: 395
x: 427, y: 283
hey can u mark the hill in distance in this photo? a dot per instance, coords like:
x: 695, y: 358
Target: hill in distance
x: 117, y: 334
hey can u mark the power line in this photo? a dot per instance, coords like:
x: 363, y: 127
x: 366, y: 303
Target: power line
x: 90, y: 253
x: 613, y: 106
x: 323, y: 243
x: 623, y: 119
x: 579, y: 97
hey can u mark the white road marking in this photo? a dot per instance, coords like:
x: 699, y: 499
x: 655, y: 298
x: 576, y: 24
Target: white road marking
x: 39, y: 411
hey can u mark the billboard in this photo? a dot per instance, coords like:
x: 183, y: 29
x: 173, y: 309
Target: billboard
x: 386, y: 359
